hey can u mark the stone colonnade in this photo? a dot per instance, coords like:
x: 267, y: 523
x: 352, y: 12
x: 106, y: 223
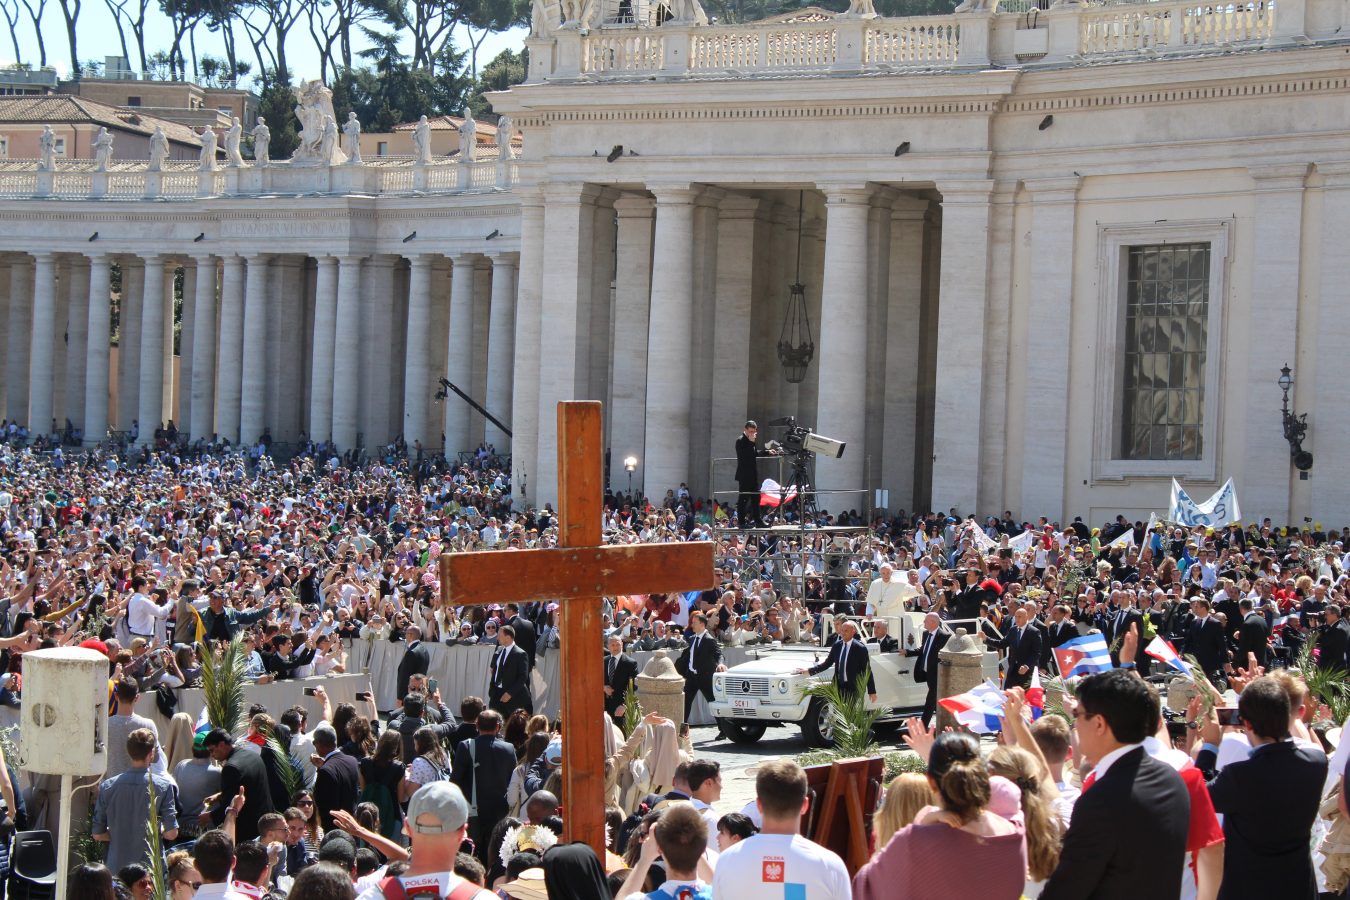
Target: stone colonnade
x: 666, y: 302
x: 348, y: 347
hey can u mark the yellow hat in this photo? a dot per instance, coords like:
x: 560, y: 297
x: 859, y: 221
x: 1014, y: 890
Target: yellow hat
x: 1317, y: 526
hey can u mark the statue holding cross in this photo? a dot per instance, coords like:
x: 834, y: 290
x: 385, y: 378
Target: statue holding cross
x: 577, y: 574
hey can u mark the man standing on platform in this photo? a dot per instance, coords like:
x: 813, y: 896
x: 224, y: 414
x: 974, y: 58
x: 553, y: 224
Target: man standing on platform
x: 509, y: 689
x: 700, y: 659
x: 747, y: 477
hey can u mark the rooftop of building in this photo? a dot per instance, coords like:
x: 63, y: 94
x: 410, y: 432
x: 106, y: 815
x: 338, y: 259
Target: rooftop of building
x: 70, y: 110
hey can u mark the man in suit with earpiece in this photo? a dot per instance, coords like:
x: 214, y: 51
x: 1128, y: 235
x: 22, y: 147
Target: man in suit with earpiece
x: 848, y: 656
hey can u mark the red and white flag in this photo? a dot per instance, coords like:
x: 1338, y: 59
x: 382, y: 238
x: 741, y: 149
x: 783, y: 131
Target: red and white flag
x: 771, y: 493
x: 1162, y: 650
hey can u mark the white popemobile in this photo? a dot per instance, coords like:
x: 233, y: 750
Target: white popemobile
x: 765, y: 691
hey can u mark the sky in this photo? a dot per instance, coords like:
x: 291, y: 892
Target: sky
x: 97, y: 38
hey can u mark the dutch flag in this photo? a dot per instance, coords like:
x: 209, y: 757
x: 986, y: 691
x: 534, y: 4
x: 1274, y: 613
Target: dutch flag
x: 1161, y: 649
x: 1083, y: 656
x: 979, y: 709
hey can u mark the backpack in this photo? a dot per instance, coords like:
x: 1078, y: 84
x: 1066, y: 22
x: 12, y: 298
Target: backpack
x: 392, y: 888
x: 684, y: 892
x: 391, y: 814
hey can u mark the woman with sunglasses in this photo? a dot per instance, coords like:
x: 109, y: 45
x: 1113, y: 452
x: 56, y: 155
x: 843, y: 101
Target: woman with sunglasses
x: 304, y: 801
x: 184, y: 879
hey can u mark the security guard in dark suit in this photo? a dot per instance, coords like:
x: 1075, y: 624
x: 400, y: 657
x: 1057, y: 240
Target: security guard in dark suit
x: 700, y: 659
x: 848, y: 656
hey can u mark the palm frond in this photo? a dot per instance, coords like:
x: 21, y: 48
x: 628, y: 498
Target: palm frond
x: 287, y: 768
x: 1327, y: 685
x: 632, y: 713
x: 153, y: 845
x: 223, y: 684
x: 851, y: 719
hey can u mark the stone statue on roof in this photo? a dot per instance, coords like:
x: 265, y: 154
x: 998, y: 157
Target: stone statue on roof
x: 47, y: 149
x: 103, y: 149
x: 314, y: 105
x: 577, y: 14
x: 545, y: 17
x: 859, y: 9
x: 690, y: 12
x: 422, y: 141
x: 233, y: 135
x: 352, y: 129
x: 159, y: 149
x: 262, y: 137
x: 468, y: 136
x: 505, y: 129
x: 208, y: 157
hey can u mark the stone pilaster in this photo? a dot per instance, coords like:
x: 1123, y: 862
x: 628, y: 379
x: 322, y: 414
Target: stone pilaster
x: 96, y: 388
x: 325, y: 325
x: 77, y: 341
x: 201, y: 385
x: 525, y: 387
x: 229, y: 367
x: 737, y: 228
x: 419, y: 378
x: 253, y: 378
x: 459, y: 354
x: 632, y: 302
x: 150, y: 398
x: 346, y: 352
x: 501, y: 347
x: 42, y: 376
x: 19, y: 342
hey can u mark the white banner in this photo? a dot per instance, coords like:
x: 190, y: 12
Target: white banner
x: 1023, y: 541
x: 1215, y: 512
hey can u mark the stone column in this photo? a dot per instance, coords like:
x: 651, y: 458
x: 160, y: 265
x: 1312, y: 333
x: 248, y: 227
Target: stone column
x: 6, y: 276
x: 459, y: 354
x: 167, y: 392
x: 703, y: 366
x: 77, y: 340
x: 669, y: 334
x: 285, y: 378
x: 229, y: 368
x: 96, y: 370
x: 420, y: 380
x: 734, y: 286
x: 901, y: 360
x: 60, y: 340
x: 42, y: 378
x: 19, y: 338
x: 325, y: 329
x: 501, y: 346
x: 632, y: 302
x: 129, y: 342
x: 957, y: 402
x: 377, y: 337
x: 1045, y: 445
x: 346, y: 352
x: 813, y: 277
x: 482, y: 312
x: 525, y: 386
x: 202, y: 385
x: 569, y: 222
x: 253, y: 377
x: 182, y: 408
x: 842, y: 349
x: 599, y: 321
x: 1277, y: 236
x: 878, y: 296
x: 150, y: 397
x: 1328, y: 432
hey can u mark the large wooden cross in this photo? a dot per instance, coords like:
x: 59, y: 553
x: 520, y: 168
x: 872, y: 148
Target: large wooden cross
x: 576, y: 575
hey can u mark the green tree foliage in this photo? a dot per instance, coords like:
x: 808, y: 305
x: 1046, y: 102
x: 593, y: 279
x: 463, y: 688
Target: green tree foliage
x: 276, y: 104
x: 506, y: 69
x: 392, y: 91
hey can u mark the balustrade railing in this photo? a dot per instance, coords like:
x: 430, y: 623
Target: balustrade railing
x: 1130, y: 28
x: 132, y: 180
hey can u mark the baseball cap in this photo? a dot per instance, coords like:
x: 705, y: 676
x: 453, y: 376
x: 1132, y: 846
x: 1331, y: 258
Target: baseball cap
x: 441, y: 801
x: 553, y: 752
x: 199, y: 738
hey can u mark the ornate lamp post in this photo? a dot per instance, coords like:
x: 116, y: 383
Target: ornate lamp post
x: 796, y: 348
x: 1295, y: 426
x: 630, y: 463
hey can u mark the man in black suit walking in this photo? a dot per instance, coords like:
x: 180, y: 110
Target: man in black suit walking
x: 700, y: 659
x: 416, y: 661
x: 935, y: 637
x: 1023, y: 643
x: 1205, y: 638
x: 1268, y: 801
x: 747, y: 476
x: 527, y: 638
x: 509, y: 687
x: 1128, y: 792
x: 1334, y: 640
x: 482, y: 770
x: 848, y: 656
x: 1061, y: 630
x: 620, y: 670
x: 1254, y: 638
x: 239, y: 768
x: 337, y: 785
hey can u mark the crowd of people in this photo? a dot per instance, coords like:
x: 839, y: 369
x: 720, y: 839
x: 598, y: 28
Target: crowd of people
x: 140, y: 558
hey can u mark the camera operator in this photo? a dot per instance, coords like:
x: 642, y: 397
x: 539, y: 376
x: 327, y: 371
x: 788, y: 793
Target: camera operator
x: 747, y: 476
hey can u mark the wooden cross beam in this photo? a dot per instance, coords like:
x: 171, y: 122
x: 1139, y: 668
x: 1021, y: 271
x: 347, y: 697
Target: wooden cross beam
x: 577, y: 574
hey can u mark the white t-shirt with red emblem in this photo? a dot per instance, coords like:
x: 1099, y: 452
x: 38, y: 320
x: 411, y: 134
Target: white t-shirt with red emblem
x: 780, y: 867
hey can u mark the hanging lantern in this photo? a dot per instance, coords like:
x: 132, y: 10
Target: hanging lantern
x: 796, y: 349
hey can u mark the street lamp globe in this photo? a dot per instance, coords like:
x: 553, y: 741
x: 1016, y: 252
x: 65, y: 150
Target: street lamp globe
x: 630, y: 463
x: 1286, y: 379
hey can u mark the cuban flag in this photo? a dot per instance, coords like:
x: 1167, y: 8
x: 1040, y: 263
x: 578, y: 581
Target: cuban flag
x: 1083, y: 656
x: 771, y: 493
x: 979, y: 709
x: 1036, y: 695
x: 1162, y: 650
